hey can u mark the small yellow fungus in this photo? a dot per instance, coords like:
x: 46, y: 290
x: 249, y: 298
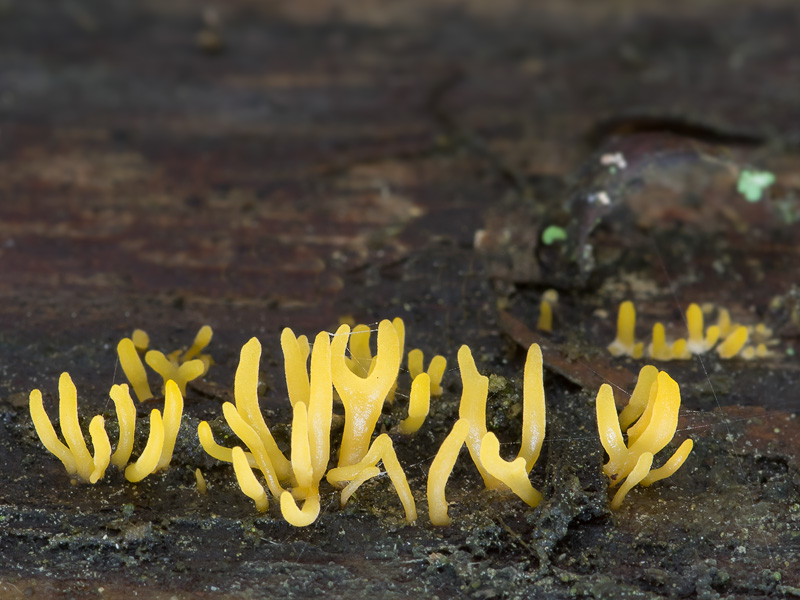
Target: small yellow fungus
x: 201, y: 340
x: 382, y: 450
x: 132, y: 366
x: 698, y: 341
x: 639, y: 398
x: 181, y: 374
x: 475, y: 390
x: 496, y: 472
x: 173, y: 410
x: 545, y: 322
x: 513, y: 474
x: 74, y: 455
x: 625, y: 343
x: 680, y: 350
x: 179, y: 366
x: 247, y: 479
x: 650, y: 434
x: 295, y: 355
x: 724, y: 322
x: 296, y: 516
x: 440, y: 470
x: 202, y: 488
x: 436, y: 369
x: 363, y: 397
x: 140, y: 340
x: 733, y: 343
x: 102, y: 448
x: 148, y: 460
x: 419, y: 404
x: 658, y: 348
x: 126, y: 416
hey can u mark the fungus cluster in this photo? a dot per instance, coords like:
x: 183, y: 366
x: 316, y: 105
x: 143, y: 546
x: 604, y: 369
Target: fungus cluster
x: 180, y: 366
x: 75, y: 455
x: 729, y: 338
x: 342, y: 367
x: 650, y: 420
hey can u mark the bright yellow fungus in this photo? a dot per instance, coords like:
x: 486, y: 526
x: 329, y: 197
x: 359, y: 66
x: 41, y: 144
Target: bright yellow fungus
x: 202, y: 487
x: 732, y: 344
x: 382, y: 450
x: 699, y: 340
x: 653, y: 430
x: 625, y: 343
x: 126, y: 415
x: 181, y: 374
x: 312, y: 404
x: 132, y: 366
x: 483, y: 446
x: 436, y: 369
x: 171, y: 419
x: 440, y: 470
x: 74, y: 455
x: 179, y: 366
x: 140, y: 340
x: 658, y: 348
x: 247, y: 480
x: 419, y: 404
x: 148, y: 460
x: 545, y: 322
x: 363, y: 397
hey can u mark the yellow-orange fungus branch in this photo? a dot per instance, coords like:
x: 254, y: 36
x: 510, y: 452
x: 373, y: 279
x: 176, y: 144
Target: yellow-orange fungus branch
x: 247, y: 479
x: 148, y: 460
x: 653, y: 430
x: 435, y: 371
x: 382, y: 449
x: 133, y: 368
x: 625, y: 343
x: 475, y: 390
x: 126, y: 415
x: 363, y: 397
x: 440, y: 470
x: 419, y: 404
x: 74, y: 455
x: 180, y: 374
x: 173, y: 410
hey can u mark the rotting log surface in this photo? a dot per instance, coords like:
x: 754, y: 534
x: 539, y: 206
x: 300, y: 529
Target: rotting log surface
x: 263, y: 165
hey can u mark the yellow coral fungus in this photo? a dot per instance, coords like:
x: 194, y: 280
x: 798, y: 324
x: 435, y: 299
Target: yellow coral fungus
x: 247, y: 480
x: 173, y: 410
x: 440, y: 470
x: 179, y: 366
x: 658, y: 348
x: 312, y: 404
x: 545, y: 322
x: 625, y: 343
x: 246, y: 421
x: 133, y: 368
x: 74, y: 455
x: 148, y: 460
x: 382, y: 450
x: 181, y: 374
x: 202, y: 488
x: 436, y: 369
x: 419, y: 404
x: 126, y: 415
x: 471, y: 426
x: 363, y: 397
x: 654, y: 429
x: 699, y: 340
x: 514, y: 474
x: 732, y: 344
